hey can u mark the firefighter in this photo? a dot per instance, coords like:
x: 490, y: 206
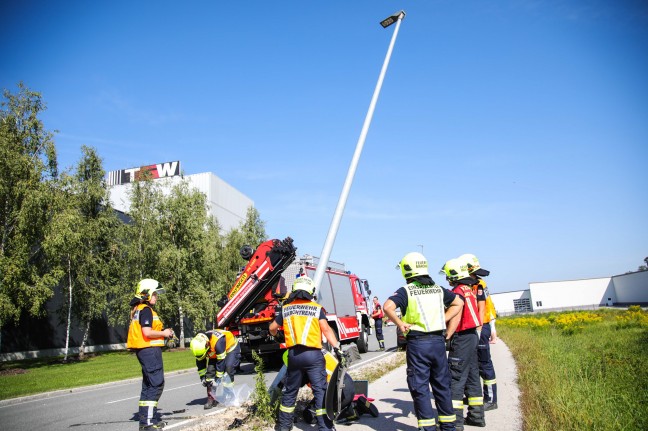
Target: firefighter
x: 425, y: 307
x: 304, y: 322
x: 146, y: 338
x: 352, y: 406
x: 462, y: 354
x: 486, y: 369
x: 217, y: 352
x: 377, y: 316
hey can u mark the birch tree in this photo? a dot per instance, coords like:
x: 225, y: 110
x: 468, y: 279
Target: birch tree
x: 27, y: 169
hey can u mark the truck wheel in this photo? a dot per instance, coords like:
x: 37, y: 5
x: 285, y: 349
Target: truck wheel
x: 363, y: 340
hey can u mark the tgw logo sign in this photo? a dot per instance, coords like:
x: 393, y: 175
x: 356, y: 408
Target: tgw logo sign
x: 159, y: 170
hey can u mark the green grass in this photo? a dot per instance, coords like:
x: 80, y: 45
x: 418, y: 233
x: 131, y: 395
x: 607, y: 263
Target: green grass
x: 581, y: 371
x: 43, y: 375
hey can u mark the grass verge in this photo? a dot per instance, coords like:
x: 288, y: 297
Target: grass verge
x: 30, y: 377
x: 581, y: 370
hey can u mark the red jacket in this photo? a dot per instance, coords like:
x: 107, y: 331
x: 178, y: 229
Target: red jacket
x: 470, y: 314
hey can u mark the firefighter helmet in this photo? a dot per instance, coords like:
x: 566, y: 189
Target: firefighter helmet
x: 147, y: 287
x: 304, y: 283
x: 413, y: 264
x: 455, y: 269
x: 199, y: 346
x: 474, y: 268
x: 471, y: 261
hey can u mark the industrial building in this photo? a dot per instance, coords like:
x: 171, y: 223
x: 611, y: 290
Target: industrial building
x: 226, y: 203
x: 618, y: 290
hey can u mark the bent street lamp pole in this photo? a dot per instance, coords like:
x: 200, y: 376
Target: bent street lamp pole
x: 335, y: 224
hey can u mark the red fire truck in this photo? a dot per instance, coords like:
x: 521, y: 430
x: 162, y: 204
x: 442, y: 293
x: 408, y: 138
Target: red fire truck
x: 258, y: 292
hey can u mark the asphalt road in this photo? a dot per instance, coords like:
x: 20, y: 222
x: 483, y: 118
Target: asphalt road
x: 113, y: 406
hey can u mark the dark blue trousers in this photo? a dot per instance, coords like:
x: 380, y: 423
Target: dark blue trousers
x: 304, y: 364
x: 150, y: 359
x: 378, y: 323
x: 427, y: 366
x: 486, y: 369
x: 465, y: 375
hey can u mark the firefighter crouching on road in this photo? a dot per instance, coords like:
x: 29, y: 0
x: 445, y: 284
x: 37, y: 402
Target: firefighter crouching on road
x: 377, y: 316
x: 146, y: 338
x: 425, y: 307
x: 462, y: 354
x: 486, y: 369
x: 304, y: 322
x: 217, y: 352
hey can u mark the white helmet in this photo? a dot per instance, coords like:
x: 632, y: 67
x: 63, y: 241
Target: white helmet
x: 304, y: 283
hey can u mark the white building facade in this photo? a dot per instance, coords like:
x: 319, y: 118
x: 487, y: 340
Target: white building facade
x: 226, y: 203
x: 620, y: 290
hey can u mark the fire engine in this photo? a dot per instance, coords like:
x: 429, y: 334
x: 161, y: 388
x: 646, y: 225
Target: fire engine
x: 259, y: 290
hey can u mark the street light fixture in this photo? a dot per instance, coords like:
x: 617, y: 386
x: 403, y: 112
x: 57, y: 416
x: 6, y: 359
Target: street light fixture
x: 335, y: 223
x: 392, y: 19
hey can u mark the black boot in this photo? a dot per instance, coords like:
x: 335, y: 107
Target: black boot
x: 475, y: 416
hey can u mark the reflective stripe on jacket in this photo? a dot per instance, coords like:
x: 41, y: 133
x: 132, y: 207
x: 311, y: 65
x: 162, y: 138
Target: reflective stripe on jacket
x: 425, y: 310
x: 136, y: 338
x: 301, y: 323
x: 470, y: 313
x: 216, y: 351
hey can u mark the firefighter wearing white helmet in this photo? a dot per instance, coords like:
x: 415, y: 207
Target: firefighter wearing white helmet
x: 462, y: 354
x: 217, y: 353
x: 304, y: 322
x: 425, y: 308
x: 488, y: 315
x: 146, y: 338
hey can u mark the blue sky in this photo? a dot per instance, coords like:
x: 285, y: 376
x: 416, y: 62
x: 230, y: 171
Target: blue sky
x: 514, y: 130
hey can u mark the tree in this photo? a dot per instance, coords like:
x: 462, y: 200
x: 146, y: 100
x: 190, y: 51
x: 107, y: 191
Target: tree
x: 27, y: 169
x: 644, y: 267
x: 141, y: 246
x: 183, y: 233
x: 82, y: 243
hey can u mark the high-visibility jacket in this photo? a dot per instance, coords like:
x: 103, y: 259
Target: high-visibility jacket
x: 136, y: 338
x: 490, y: 313
x: 301, y: 323
x: 470, y: 313
x: 215, y: 349
x: 425, y: 310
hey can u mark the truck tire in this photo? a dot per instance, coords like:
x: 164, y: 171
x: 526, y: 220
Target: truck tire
x: 363, y: 339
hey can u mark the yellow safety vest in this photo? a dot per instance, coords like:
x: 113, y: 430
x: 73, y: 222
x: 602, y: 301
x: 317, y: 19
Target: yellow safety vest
x: 230, y: 342
x: 489, y: 313
x: 136, y: 338
x: 425, y: 310
x: 301, y: 323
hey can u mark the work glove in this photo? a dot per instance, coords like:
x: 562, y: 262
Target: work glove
x: 203, y: 381
x: 340, y: 356
x: 280, y: 337
x: 217, y: 381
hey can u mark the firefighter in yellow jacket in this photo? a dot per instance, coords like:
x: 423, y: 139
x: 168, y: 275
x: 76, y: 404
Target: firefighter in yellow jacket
x: 304, y: 322
x: 146, y: 338
x: 217, y: 352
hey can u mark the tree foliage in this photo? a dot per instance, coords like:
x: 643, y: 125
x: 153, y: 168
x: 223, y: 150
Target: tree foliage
x: 82, y: 244
x: 61, y: 232
x: 27, y: 169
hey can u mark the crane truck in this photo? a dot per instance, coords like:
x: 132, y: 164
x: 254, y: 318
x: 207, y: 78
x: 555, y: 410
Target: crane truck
x: 260, y: 289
